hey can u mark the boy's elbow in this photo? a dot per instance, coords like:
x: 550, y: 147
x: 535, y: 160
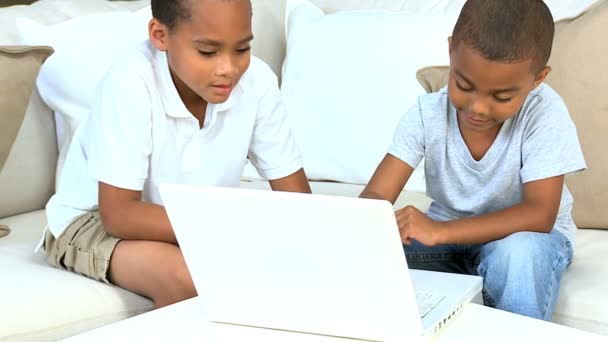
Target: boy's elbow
x: 547, y: 222
x: 370, y: 195
x: 541, y: 216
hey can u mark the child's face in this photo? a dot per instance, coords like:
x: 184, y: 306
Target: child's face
x: 487, y: 93
x: 209, y: 53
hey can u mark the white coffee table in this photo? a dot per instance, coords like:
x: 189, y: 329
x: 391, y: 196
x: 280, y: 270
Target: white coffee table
x: 186, y: 321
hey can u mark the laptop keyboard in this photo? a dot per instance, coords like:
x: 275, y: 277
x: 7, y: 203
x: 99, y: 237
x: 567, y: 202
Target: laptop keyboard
x: 427, y: 301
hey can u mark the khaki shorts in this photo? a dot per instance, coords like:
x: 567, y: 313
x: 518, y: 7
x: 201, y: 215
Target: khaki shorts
x: 84, y: 248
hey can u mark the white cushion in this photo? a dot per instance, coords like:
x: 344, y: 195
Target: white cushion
x: 48, y: 304
x: 583, y: 302
x: 85, y: 47
x: 268, y: 18
x: 347, y: 80
x: 74, y: 304
x: 269, y: 46
x: 561, y: 9
x: 416, y: 199
x: 55, y: 11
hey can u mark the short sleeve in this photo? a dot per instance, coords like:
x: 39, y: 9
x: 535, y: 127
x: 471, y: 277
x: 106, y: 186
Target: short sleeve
x: 550, y: 144
x: 273, y: 150
x: 121, y: 126
x: 408, y: 139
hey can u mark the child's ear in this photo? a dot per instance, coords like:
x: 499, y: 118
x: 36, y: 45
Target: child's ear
x: 158, y: 33
x: 450, y: 44
x: 540, y: 77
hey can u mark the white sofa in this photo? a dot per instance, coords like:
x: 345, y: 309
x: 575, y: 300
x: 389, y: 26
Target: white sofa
x: 40, y: 303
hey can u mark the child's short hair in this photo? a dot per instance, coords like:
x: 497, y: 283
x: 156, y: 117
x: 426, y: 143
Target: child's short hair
x: 170, y: 12
x: 507, y: 30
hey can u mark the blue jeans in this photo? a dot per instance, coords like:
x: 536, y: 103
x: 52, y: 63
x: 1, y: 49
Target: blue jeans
x: 521, y: 273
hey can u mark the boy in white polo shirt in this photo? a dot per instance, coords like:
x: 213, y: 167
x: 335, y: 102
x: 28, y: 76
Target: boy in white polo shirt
x: 189, y: 105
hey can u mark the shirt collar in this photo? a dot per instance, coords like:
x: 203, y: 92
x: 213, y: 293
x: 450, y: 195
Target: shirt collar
x: 172, y: 102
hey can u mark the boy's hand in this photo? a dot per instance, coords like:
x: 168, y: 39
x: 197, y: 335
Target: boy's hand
x: 415, y: 225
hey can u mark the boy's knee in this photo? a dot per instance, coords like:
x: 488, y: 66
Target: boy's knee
x: 176, y: 285
x: 526, y: 254
x: 520, y: 248
x: 183, y: 281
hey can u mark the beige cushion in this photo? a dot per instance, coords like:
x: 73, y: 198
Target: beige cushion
x: 4, y: 230
x: 268, y: 28
x: 7, y: 3
x: 580, y: 75
x: 433, y: 78
x: 20, y: 66
x: 28, y: 148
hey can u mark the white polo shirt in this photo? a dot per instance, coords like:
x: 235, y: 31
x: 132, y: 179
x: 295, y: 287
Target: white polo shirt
x: 140, y: 134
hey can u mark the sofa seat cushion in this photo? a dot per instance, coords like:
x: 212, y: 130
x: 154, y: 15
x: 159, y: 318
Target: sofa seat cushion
x: 417, y: 199
x: 583, y: 303
x: 75, y: 304
x: 46, y: 303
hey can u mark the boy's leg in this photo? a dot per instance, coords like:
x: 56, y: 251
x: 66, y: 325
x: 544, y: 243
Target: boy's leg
x: 444, y: 258
x: 83, y: 247
x: 153, y: 269
x: 522, y: 272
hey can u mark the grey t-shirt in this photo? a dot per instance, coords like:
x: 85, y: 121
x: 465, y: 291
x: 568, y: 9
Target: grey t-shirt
x: 539, y: 142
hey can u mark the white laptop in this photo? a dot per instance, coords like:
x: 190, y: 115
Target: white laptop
x: 315, y: 264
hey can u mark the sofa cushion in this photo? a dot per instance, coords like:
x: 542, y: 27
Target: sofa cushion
x: 582, y: 302
x: 65, y: 303
x: 55, y: 11
x: 68, y: 80
x: 332, y: 162
x: 269, y: 18
x: 433, y: 78
x: 4, y: 230
x: 20, y: 66
x: 358, y: 118
x: 269, y: 21
x: 580, y: 71
x: 580, y: 75
x: 416, y: 199
x: 28, y: 150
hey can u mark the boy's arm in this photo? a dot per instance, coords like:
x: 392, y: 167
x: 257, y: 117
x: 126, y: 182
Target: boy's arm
x: 126, y: 216
x: 296, y: 182
x: 536, y: 213
x: 388, y: 180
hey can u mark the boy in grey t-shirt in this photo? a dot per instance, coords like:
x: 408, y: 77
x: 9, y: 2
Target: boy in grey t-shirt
x: 497, y: 144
